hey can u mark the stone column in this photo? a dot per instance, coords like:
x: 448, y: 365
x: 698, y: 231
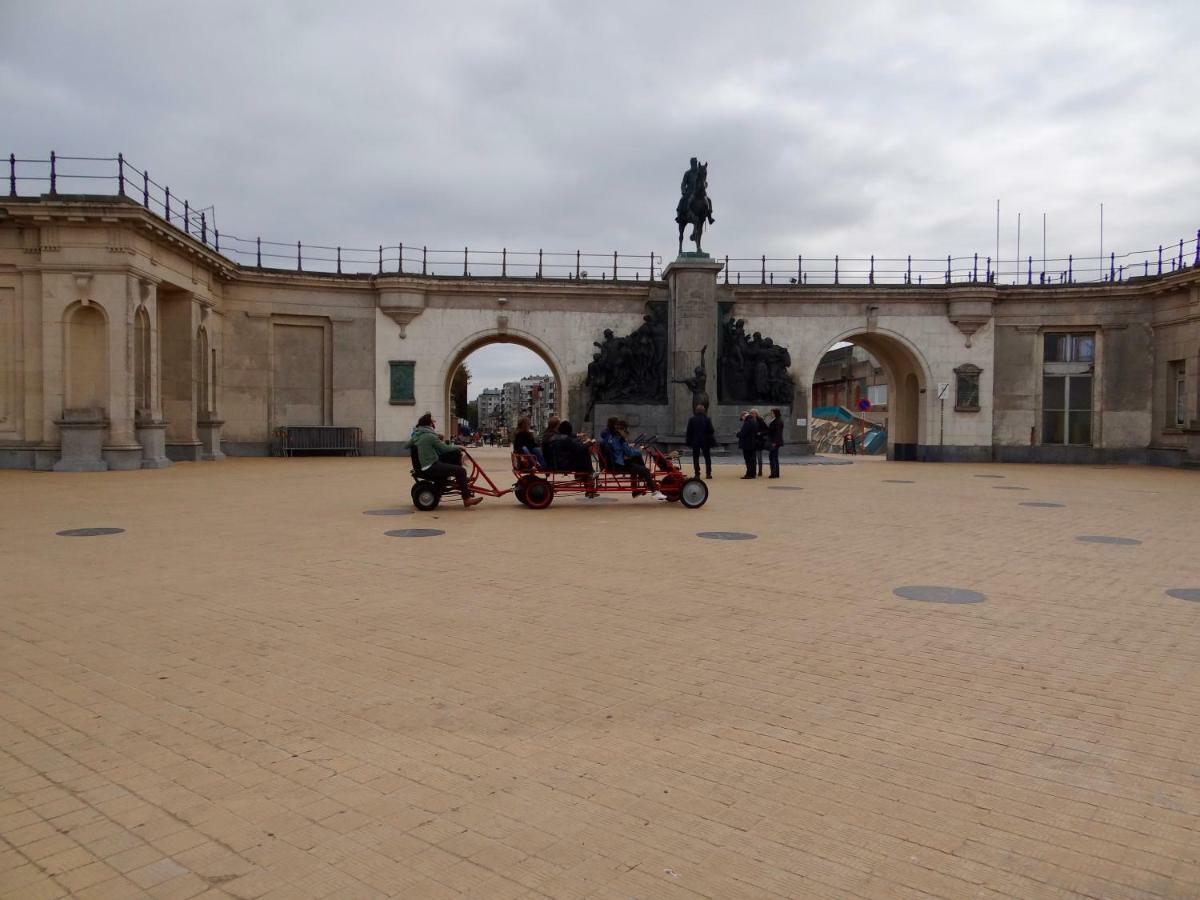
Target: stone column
x: 151, y: 427
x: 692, y: 325
x: 122, y: 450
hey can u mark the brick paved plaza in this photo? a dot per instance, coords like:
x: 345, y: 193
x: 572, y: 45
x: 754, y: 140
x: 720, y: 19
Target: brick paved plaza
x: 253, y: 692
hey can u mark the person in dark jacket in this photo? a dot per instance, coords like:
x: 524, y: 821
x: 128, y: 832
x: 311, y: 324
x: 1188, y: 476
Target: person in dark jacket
x: 438, y: 460
x: 701, y: 437
x: 760, y: 438
x: 774, y: 441
x: 524, y: 441
x: 747, y: 437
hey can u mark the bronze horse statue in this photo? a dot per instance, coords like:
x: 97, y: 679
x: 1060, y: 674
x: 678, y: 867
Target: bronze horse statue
x: 695, y: 207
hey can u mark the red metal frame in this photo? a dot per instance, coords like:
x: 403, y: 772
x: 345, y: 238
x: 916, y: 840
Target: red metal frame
x: 668, y: 477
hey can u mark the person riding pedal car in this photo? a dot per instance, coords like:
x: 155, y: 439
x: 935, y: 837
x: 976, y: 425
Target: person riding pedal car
x: 438, y: 460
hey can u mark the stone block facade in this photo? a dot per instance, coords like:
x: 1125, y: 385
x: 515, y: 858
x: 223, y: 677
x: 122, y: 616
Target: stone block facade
x: 125, y: 343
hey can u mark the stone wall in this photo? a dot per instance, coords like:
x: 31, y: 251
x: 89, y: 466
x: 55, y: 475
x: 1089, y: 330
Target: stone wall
x: 116, y: 326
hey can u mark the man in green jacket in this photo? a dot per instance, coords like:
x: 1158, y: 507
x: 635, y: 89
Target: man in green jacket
x: 430, y: 452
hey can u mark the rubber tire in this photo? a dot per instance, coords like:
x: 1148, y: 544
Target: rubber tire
x: 693, y: 493
x: 519, y: 493
x: 426, y: 496
x: 539, y: 494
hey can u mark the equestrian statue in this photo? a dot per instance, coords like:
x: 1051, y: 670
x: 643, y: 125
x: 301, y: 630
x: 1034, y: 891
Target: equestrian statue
x: 694, y: 206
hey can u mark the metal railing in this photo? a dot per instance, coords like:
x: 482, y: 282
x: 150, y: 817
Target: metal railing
x: 53, y: 173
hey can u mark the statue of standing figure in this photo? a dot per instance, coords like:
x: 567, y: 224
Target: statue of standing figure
x: 698, y: 382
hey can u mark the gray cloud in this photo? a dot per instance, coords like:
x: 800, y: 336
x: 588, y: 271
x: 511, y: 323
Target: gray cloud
x: 875, y: 128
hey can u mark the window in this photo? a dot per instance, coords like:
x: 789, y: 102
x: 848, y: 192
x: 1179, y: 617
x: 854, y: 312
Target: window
x: 966, y: 388
x: 877, y: 394
x: 1177, y: 393
x: 402, y: 382
x: 1070, y: 348
x: 1068, y: 366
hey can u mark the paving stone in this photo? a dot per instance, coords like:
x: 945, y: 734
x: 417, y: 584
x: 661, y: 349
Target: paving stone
x: 571, y: 703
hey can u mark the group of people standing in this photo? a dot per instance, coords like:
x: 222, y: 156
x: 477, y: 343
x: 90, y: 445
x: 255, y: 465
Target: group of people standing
x: 754, y: 436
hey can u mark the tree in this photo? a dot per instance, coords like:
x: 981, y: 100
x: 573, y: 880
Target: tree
x: 473, y: 413
x: 458, y: 391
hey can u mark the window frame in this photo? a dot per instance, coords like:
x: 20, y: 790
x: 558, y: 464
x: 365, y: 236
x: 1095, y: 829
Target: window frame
x: 969, y: 372
x: 393, y: 366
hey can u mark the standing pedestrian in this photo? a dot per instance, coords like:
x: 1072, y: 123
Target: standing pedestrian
x: 760, y: 439
x: 747, y: 436
x: 775, y: 440
x: 701, y: 437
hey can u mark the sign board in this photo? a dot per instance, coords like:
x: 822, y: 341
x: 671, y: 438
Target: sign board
x: 943, y: 390
x: 802, y: 423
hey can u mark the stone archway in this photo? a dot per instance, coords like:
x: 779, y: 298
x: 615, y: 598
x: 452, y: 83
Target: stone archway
x: 908, y: 383
x: 486, y: 338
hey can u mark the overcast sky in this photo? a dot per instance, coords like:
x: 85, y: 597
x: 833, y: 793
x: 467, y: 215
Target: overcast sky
x: 887, y: 128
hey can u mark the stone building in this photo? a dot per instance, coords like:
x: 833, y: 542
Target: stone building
x: 488, y: 403
x: 126, y: 342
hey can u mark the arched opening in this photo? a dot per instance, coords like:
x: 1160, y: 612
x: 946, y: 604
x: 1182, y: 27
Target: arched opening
x: 492, y: 381
x: 870, y: 386
x: 86, y: 360
x: 143, y: 398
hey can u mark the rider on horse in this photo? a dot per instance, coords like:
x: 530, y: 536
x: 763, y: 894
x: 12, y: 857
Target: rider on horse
x: 687, y: 188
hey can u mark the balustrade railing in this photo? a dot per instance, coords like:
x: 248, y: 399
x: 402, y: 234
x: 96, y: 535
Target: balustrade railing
x: 50, y: 176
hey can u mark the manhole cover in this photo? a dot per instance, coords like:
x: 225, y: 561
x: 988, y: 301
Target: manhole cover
x: 991, y: 476
x: 1008, y: 487
x: 784, y: 487
x: 596, y: 499
x: 1192, y: 594
x: 930, y: 593
x: 387, y: 512
x: 89, y: 532
x: 898, y: 481
x: 1105, y: 539
x: 1042, y: 504
x: 727, y: 535
x: 415, y: 532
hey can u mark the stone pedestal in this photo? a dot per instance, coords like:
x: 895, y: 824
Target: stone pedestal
x: 83, y: 432
x: 209, y: 432
x: 152, y: 436
x: 123, y: 457
x: 692, y: 326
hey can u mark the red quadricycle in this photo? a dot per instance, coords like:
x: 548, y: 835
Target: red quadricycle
x: 427, y: 492
x: 537, y: 486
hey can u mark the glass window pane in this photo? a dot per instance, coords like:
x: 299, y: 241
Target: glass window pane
x: 1079, y: 428
x: 967, y: 392
x: 1081, y: 392
x: 1083, y: 347
x: 1053, y: 392
x: 1052, y: 427
x: 1055, y: 348
x: 1180, y: 405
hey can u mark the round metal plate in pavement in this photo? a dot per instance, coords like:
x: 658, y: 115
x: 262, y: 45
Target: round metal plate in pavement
x: 415, y: 532
x: 727, y: 535
x: 387, y: 512
x: 89, y: 532
x: 1105, y: 539
x: 929, y: 593
x: 1192, y: 594
x: 991, y: 476
x: 784, y: 487
x: 897, y: 481
x: 1008, y: 487
x: 1043, y: 504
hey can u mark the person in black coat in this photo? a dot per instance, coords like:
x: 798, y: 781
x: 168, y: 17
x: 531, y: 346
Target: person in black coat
x: 760, y: 438
x: 701, y: 437
x: 774, y: 440
x: 747, y: 438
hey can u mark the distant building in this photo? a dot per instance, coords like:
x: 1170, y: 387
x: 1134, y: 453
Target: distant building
x: 534, y: 396
x: 488, y: 402
x: 847, y: 375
